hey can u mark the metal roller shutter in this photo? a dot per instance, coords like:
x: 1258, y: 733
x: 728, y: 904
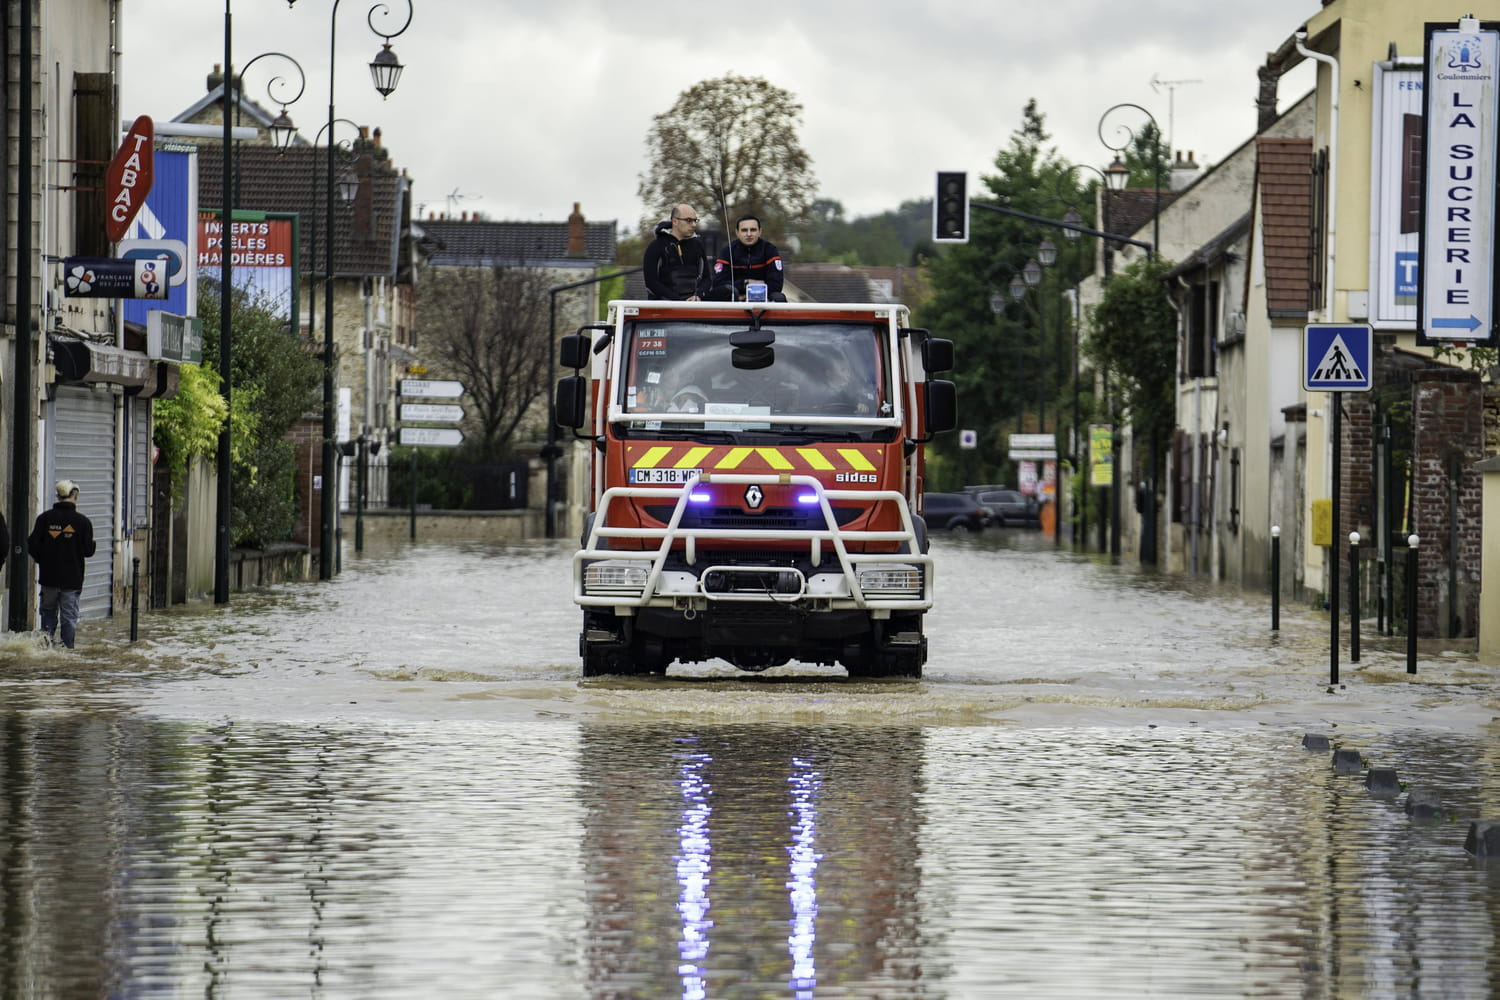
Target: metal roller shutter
x: 81, y: 447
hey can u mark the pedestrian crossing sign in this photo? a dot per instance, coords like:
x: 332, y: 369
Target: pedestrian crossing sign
x: 1337, y: 357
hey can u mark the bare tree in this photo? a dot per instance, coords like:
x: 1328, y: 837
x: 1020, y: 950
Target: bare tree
x: 488, y: 328
x: 730, y: 146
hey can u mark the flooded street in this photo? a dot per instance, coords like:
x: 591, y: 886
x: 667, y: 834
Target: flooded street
x: 395, y: 785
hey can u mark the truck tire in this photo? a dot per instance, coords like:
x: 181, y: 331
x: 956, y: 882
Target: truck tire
x: 879, y: 658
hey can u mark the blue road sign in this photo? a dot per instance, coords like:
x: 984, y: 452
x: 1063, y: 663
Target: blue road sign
x: 1337, y: 357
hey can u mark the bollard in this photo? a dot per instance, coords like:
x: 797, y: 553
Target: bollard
x: 1412, y: 541
x: 1353, y: 597
x: 1347, y: 762
x: 135, y: 597
x: 1275, y: 577
x: 1484, y: 839
x: 1382, y: 781
x: 1315, y: 741
x: 1424, y: 804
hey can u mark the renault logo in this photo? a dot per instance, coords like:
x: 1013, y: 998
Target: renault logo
x: 753, y: 497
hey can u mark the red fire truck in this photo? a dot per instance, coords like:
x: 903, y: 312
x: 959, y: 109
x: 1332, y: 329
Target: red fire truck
x: 756, y: 470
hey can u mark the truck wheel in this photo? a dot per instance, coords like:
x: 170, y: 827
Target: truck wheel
x: 596, y: 662
x: 880, y: 658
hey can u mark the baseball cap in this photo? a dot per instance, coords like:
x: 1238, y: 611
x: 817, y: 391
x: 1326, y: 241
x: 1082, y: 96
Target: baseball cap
x: 66, y: 488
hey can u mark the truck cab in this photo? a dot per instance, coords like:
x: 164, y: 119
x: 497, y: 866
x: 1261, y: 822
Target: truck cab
x: 755, y: 475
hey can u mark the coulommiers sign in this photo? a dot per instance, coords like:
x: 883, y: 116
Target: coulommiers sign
x: 1457, y: 257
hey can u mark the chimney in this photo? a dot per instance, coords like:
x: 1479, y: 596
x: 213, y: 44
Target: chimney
x: 1265, y: 101
x: 1184, y: 171
x: 575, y: 232
x: 216, y: 77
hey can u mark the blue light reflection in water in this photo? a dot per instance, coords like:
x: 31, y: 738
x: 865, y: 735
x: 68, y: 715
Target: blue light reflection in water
x: 694, y: 863
x: 803, y: 884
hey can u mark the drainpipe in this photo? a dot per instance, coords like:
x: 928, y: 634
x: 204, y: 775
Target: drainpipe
x: 1333, y: 165
x: 1331, y: 444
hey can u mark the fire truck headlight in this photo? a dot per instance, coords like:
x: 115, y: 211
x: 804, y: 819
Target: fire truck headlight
x: 890, y: 580
x: 616, y: 577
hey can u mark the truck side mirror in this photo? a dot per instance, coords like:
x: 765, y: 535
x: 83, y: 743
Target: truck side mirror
x: 937, y: 355
x: 573, y: 351
x: 571, y: 400
x: 942, y: 406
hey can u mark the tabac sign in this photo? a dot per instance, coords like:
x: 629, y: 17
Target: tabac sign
x: 1455, y: 292
x: 129, y: 177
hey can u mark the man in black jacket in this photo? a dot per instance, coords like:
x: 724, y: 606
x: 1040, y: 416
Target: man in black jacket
x: 748, y: 258
x: 60, y: 541
x: 675, y: 265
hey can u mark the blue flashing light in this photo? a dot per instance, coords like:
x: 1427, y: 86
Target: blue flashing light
x: 699, y: 496
x: 807, y: 498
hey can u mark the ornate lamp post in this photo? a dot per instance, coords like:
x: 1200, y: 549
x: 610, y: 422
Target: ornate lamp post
x: 282, y: 131
x: 1117, y: 174
x: 385, y: 71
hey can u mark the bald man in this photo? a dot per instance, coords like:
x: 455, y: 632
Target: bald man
x: 675, y: 265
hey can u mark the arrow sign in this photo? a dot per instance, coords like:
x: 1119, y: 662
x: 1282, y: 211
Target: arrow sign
x: 431, y: 388
x: 432, y: 413
x: 430, y: 437
x: 1470, y: 323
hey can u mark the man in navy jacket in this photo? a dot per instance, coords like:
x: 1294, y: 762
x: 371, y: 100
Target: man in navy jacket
x: 749, y: 258
x: 60, y: 541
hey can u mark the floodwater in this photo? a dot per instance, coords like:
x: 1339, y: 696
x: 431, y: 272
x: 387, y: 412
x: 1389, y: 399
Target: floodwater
x: 394, y: 784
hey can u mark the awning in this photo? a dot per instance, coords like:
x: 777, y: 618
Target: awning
x: 84, y: 361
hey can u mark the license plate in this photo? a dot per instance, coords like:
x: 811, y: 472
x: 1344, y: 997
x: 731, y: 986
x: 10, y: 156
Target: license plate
x: 662, y: 477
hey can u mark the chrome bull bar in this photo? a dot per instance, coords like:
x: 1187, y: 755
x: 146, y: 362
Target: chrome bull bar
x: 663, y: 587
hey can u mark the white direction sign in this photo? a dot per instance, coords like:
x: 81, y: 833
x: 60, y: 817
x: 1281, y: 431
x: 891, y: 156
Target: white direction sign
x: 432, y: 413
x: 424, y: 388
x: 1457, y: 260
x: 430, y: 437
x: 1032, y: 447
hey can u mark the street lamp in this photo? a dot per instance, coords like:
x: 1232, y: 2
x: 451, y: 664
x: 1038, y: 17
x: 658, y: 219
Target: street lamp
x: 1116, y: 175
x: 282, y: 130
x: 385, y: 70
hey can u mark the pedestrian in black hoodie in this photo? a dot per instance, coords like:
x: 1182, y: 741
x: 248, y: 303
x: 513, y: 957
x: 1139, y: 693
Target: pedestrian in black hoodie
x: 60, y: 541
x: 676, y: 265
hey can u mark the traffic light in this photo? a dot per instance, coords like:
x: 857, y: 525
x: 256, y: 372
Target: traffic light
x: 950, y: 209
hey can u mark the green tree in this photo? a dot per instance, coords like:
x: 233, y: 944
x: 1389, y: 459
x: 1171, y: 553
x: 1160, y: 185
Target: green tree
x: 275, y: 381
x: 187, y: 424
x: 730, y: 146
x: 1134, y: 338
x: 1012, y: 363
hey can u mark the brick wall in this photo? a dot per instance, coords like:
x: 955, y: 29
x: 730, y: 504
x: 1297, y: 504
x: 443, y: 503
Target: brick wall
x: 1448, y: 437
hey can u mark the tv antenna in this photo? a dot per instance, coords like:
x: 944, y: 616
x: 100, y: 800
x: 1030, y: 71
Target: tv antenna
x: 1157, y: 83
x: 454, y: 197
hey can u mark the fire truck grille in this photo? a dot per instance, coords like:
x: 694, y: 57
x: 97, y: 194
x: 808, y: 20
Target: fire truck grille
x: 771, y: 519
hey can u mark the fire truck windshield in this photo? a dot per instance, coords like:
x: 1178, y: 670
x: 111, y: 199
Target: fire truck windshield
x: 685, y: 372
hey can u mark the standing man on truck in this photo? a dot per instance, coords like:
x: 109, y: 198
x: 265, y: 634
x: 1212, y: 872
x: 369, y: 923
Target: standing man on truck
x: 749, y: 258
x: 675, y: 265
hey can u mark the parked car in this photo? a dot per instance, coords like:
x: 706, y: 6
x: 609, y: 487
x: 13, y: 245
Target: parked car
x: 1011, y: 508
x: 953, y: 512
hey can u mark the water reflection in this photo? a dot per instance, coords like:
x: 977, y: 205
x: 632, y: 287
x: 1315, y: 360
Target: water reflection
x: 772, y: 860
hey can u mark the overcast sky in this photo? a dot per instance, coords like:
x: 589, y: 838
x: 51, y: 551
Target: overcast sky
x: 519, y: 109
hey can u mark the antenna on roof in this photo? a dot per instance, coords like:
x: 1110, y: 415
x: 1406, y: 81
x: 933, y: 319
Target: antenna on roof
x: 1157, y: 83
x: 454, y: 197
